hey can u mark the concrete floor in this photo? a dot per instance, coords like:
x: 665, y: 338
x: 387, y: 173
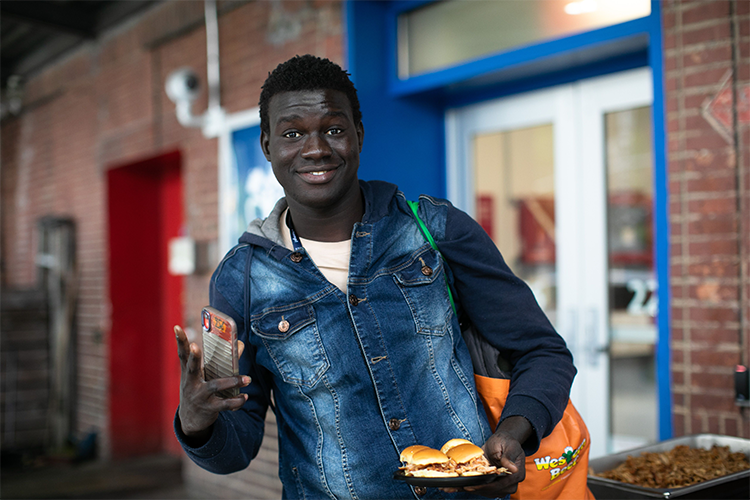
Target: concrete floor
x: 155, y: 477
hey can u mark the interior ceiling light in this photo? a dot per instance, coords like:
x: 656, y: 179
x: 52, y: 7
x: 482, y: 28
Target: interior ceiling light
x: 580, y: 7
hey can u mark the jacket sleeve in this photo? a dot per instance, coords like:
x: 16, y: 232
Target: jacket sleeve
x: 236, y: 435
x: 502, y: 308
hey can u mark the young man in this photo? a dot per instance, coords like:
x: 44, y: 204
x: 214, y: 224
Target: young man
x: 344, y: 311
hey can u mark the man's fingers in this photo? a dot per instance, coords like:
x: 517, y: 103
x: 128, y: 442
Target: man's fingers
x: 194, y: 360
x: 240, y: 348
x: 183, y: 346
x: 508, y: 464
x: 222, y: 384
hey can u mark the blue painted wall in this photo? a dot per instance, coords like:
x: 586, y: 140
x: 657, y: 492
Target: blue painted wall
x: 404, y: 137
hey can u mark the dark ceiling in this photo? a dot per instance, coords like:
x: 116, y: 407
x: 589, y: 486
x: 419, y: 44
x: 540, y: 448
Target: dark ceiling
x: 34, y: 33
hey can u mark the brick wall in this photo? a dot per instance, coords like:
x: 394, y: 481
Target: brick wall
x: 707, y: 53
x: 104, y: 106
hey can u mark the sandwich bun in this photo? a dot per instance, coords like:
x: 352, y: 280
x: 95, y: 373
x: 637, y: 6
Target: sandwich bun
x: 410, y: 451
x: 430, y: 462
x: 453, y: 442
x: 429, y: 456
x: 464, y: 453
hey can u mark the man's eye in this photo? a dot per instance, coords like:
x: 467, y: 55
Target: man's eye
x: 292, y: 135
x: 334, y: 131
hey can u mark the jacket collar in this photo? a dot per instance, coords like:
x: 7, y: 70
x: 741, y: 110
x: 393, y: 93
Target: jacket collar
x: 267, y: 232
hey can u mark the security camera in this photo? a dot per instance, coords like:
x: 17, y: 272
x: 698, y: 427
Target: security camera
x: 182, y: 85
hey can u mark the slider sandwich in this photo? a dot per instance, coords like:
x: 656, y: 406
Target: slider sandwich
x: 427, y: 462
x: 469, y: 460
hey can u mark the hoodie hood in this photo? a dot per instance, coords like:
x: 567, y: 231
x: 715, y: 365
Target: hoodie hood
x: 267, y: 232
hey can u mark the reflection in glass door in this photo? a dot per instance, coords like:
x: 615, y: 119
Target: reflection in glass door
x: 515, y: 204
x: 632, y: 283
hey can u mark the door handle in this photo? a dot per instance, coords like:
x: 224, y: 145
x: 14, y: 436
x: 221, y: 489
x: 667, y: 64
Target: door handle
x: 571, y: 337
x: 593, y: 348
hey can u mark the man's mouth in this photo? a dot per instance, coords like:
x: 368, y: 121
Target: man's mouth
x: 318, y: 176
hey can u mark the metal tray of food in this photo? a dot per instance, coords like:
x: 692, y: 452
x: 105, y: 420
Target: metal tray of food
x: 735, y: 485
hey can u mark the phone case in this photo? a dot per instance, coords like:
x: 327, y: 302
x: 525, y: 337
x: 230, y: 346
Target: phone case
x: 219, y: 348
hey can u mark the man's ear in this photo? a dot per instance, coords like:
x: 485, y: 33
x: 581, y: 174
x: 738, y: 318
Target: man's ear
x: 264, y: 145
x: 361, y: 134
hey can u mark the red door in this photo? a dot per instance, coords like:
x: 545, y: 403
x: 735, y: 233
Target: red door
x: 145, y: 212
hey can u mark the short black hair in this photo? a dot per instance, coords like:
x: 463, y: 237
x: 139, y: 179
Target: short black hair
x: 307, y: 72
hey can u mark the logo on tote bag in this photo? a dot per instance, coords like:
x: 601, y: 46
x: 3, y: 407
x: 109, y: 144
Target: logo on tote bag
x: 558, y: 466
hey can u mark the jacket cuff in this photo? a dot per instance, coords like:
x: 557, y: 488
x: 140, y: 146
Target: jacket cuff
x: 533, y: 411
x: 212, y: 447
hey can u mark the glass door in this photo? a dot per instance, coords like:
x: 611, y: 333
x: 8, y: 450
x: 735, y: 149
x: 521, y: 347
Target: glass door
x: 559, y: 179
x: 618, y: 160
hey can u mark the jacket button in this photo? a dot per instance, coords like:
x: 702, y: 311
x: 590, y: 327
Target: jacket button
x: 427, y: 270
x: 394, y: 424
x: 353, y: 300
x: 283, y: 326
x: 420, y: 490
x: 296, y: 257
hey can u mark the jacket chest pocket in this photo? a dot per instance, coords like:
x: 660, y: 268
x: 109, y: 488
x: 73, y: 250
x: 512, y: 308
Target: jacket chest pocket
x: 292, y: 340
x: 424, y: 287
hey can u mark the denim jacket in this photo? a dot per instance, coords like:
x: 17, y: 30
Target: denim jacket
x: 357, y: 377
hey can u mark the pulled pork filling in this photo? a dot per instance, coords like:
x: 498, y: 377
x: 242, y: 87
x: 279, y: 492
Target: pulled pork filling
x: 446, y: 467
x: 479, y: 465
x: 476, y: 466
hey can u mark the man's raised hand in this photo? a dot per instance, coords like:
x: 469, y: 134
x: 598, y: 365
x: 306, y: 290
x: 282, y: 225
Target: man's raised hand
x: 199, y: 404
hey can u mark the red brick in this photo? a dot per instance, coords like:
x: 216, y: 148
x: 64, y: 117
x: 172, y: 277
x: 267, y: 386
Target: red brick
x: 696, y: 99
x: 709, y: 357
x: 675, y: 250
x: 713, y: 248
x: 712, y: 380
x: 714, y: 206
x: 678, y: 423
x: 670, y: 41
x: 719, y: 31
x: 708, y: 55
x: 720, y: 314
x: 711, y: 75
x: 730, y: 426
x: 674, y: 125
x: 711, y: 161
x: 714, y: 402
x: 678, y: 357
x: 699, y: 123
x: 715, y: 183
x: 672, y: 104
x: 677, y: 312
x: 706, y: 140
x: 716, y: 269
x: 713, y: 424
x: 711, y: 291
x: 704, y: 11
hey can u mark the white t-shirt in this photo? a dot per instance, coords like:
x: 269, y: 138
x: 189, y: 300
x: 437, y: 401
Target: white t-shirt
x: 332, y: 258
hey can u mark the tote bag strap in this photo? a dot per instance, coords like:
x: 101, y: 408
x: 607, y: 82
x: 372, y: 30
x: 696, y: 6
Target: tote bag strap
x: 414, y: 205
x: 485, y: 357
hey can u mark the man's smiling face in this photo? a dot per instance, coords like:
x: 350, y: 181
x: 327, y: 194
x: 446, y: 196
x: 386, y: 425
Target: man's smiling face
x: 314, y: 147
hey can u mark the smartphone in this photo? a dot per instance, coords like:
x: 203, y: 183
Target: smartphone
x: 220, y: 348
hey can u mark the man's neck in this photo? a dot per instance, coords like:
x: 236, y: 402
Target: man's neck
x: 332, y: 224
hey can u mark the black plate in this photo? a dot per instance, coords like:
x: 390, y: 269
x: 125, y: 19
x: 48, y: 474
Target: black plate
x: 446, y: 482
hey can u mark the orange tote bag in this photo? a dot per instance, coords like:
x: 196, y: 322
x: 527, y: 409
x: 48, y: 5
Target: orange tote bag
x: 559, y: 468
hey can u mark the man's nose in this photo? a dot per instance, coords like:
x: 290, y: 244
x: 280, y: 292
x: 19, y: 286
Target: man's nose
x: 316, y: 147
